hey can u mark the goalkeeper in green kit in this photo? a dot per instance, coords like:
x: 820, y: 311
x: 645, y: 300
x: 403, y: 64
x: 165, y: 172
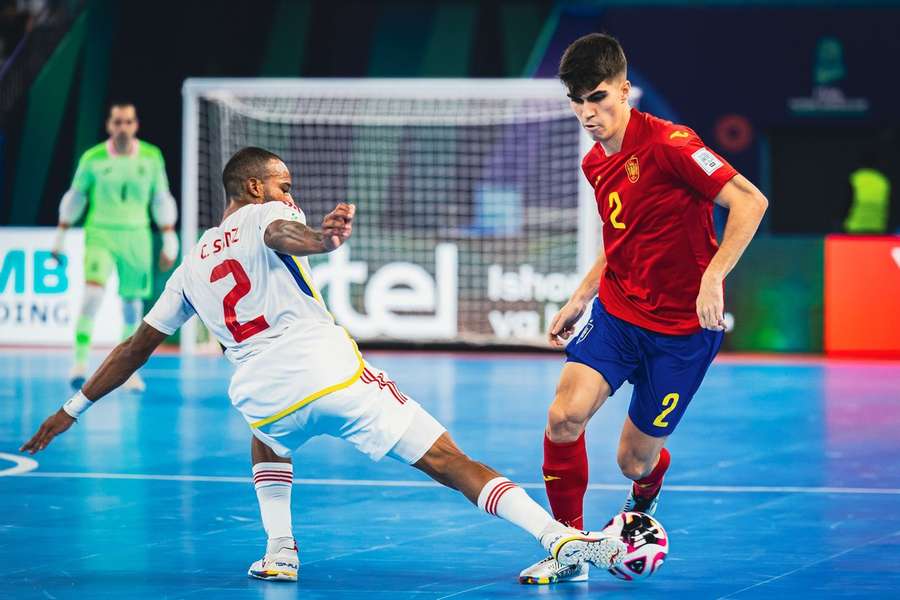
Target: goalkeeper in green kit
x: 117, y: 181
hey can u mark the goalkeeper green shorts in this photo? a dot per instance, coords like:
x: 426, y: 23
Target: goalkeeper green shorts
x: 129, y: 250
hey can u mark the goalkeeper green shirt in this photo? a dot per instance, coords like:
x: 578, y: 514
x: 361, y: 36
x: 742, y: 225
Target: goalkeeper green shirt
x: 119, y: 187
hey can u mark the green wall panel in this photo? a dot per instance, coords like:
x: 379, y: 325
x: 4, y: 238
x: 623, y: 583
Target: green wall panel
x: 449, y: 47
x: 776, y: 296
x: 286, y: 46
x: 46, y: 106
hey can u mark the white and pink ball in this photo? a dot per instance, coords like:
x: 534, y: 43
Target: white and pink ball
x: 648, y: 544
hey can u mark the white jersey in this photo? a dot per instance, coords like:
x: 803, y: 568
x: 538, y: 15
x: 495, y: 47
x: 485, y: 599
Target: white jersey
x: 262, y: 306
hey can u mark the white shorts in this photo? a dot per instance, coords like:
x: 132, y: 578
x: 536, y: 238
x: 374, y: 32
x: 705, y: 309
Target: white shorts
x: 372, y: 414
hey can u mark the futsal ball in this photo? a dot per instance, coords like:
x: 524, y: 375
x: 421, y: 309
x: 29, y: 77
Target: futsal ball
x: 647, y: 541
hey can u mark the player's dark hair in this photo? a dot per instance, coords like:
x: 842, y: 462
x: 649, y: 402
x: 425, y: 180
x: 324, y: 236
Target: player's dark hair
x: 591, y: 60
x: 249, y: 162
x: 121, y: 103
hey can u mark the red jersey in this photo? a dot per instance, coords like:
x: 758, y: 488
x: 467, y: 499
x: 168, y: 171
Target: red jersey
x: 655, y: 198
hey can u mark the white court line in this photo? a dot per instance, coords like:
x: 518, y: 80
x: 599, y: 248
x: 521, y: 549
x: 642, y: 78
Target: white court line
x: 721, y: 489
x: 22, y: 465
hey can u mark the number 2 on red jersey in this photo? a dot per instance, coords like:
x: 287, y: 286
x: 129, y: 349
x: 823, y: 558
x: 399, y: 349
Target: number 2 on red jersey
x: 615, y: 203
x: 240, y: 331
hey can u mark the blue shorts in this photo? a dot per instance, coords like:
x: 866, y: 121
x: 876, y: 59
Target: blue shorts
x: 666, y: 370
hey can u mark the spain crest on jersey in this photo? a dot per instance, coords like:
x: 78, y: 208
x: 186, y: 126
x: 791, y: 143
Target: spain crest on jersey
x: 633, y: 169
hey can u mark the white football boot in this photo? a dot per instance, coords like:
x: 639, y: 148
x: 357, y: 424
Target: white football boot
x: 134, y: 383
x: 549, y: 571
x: 570, y: 553
x: 280, y: 563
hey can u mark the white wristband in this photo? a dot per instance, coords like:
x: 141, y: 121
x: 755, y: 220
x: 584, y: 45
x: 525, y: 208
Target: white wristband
x: 170, y: 245
x: 76, y: 405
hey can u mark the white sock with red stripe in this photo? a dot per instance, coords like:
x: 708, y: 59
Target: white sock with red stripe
x: 502, y: 498
x: 273, y: 481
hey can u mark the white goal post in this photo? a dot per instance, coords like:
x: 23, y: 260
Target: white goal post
x: 474, y: 222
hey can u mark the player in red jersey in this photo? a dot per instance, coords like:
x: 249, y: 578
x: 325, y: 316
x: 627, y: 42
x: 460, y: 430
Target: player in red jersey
x: 658, y: 319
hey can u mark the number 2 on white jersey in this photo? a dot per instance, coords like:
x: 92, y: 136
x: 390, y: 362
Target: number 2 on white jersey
x: 240, y: 331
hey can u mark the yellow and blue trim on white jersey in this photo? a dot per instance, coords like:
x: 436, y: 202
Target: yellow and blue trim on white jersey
x: 303, y: 280
x: 316, y: 395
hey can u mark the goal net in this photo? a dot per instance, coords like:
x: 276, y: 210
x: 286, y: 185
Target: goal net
x: 469, y: 196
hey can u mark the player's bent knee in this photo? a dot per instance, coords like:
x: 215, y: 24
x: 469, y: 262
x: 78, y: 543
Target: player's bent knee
x: 633, y: 467
x: 634, y: 471
x: 566, y: 421
x: 578, y: 396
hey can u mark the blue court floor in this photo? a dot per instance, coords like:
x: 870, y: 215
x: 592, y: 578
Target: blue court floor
x: 785, y: 482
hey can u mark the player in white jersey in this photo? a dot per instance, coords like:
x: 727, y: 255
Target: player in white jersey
x: 299, y: 374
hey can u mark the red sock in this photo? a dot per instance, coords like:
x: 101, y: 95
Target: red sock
x: 566, y: 478
x: 649, y: 485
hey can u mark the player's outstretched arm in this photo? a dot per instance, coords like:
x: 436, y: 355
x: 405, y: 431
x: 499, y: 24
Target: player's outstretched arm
x: 297, y: 239
x: 122, y: 362
x: 746, y: 206
x: 563, y: 324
